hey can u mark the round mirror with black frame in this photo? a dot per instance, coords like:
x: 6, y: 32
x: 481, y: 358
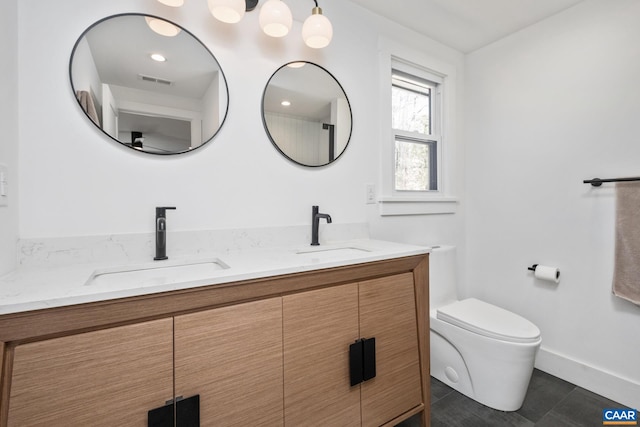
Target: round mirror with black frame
x: 307, y: 114
x: 149, y: 84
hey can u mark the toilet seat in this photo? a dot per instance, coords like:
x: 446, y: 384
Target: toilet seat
x: 488, y: 320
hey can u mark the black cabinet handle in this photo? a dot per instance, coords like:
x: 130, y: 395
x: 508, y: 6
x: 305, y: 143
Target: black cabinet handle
x: 161, y: 417
x: 187, y: 413
x: 362, y: 360
x: 369, y: 359
x: 356, y: 350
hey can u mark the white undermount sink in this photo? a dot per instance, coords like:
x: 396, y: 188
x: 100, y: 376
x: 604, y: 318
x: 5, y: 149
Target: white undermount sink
x: 328, y: 253
x: 156, y: 273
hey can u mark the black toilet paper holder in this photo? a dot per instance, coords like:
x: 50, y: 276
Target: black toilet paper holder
x: 533, y: 267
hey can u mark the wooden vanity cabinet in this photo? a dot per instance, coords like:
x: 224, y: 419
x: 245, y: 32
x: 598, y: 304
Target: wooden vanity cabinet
x: 320, y: 325
x: 110, y: 377
x: 263, y: 352
x: 232, y: 358
x: 318, y: 328
x: 388, y: 312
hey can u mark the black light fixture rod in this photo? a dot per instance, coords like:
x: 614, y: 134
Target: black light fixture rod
x: 250, y: 5
x: 597, y: 182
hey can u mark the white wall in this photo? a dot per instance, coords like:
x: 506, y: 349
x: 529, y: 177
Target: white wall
x: 9, y: 126
x: 301, y: 138
x: 341, y: 118
x: 110, y: 111
x: 78, y: 182
x: 211, y: 114
x: 85, y: 73
x: 548, y: 107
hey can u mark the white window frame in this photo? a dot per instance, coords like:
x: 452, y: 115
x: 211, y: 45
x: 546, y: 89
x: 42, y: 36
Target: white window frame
x: 442, y: 200
x: 435, y: 100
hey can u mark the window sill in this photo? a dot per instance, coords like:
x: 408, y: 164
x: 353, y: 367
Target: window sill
x: 395, y: 206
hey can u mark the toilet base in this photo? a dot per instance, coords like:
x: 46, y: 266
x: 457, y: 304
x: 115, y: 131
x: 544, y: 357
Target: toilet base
x: 447, y: 365
x: 492, y: 372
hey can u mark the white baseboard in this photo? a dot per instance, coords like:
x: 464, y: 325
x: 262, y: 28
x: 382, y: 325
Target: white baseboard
x: 607, y: 384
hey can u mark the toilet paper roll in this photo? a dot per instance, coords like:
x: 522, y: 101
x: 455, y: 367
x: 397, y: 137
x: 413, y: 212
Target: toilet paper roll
x: 544, y: 272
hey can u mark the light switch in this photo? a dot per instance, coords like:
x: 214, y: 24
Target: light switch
x: 371, y: 194
x: 4, y: 196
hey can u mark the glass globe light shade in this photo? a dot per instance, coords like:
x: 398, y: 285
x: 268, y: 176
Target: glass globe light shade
x: 229, y: 11
x: 317, y: 30
x: 172, y: 3
x: 162, y: 27
x: 275, y: 18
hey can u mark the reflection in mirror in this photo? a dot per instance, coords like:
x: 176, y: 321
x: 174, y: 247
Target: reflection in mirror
x: 306, y: 114
x: 149, y: 84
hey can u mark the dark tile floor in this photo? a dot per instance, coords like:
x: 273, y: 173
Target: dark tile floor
x: 550, y: 402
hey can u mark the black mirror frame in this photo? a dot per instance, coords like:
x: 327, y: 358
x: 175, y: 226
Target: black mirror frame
x: 266, y: 128
x: 73, y: 89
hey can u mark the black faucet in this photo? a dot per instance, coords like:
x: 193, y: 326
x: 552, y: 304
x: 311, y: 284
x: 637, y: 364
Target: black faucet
x: 161, y: 233
x: 315, y: 224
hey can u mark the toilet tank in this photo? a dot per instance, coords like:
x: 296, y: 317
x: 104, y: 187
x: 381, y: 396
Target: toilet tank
x: 442, y: 276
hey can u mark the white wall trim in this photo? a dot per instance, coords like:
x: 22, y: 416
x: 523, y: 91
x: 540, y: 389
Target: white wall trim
x: 599, y: 381
x: 390, y: 206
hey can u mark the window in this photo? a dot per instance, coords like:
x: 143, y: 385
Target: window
x: 419, y: 153
x: 414, y: 122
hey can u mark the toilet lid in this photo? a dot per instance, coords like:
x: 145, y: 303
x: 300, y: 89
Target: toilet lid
x: 488, y: 320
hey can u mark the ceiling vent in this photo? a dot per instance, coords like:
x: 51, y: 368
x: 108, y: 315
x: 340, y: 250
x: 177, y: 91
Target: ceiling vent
x: 155, y: 80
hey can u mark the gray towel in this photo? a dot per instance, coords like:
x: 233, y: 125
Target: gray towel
x: 86, y: 102
x: 626, y: 275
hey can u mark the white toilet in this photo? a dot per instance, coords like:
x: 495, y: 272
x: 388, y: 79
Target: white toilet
x: 483, y: 351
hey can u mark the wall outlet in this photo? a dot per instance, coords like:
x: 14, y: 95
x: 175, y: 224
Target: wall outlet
x: 370, y: 194
x: 4, y: 192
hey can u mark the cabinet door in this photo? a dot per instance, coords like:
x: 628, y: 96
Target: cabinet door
x: 111, y: 377
x: 388, y: 313
x: 232, y: 358
x: 318, y: 328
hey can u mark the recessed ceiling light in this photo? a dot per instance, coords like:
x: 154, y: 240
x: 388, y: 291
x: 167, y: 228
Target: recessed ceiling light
x: 158, y: 57
x: 285, y: 103
x: 298, y: 64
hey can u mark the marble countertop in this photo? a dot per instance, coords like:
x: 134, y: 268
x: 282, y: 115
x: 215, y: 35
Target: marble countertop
x: 38, y: 287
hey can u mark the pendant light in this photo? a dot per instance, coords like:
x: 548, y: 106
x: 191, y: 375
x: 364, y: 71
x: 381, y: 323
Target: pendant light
x: 317, y: 30
x: 229, y: 11
x: 275, y: 18
x: 172, y: 3
x: 162, y: 27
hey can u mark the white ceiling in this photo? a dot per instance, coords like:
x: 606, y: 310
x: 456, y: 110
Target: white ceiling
x: 121, y: 47
x: 466, y: 25
x: 309, y: 101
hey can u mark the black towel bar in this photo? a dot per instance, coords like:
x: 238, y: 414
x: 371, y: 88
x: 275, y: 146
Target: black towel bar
x: 597, y: 182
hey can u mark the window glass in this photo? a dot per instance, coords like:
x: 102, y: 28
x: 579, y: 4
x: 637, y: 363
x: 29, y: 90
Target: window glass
x: 414, y: 169
x: 412, y: 107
